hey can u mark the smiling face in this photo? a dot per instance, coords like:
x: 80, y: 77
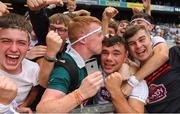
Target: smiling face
x: 113, y: 57
x: 140, y: 46
x: 14, y: 44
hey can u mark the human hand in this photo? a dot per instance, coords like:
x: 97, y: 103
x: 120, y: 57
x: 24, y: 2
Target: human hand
x: 22, y: 109
x: 113, y: 82
x: 137, y: 10
x: 8, y: 90
x: 54, y: 43
x: 3, y: 9
x: 109, y: 13
x: 91, y: 84
x: 37, y: 51
x: 36, y: 5
x: 146, y: 4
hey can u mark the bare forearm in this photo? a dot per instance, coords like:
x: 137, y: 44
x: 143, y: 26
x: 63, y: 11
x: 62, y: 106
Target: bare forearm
x: 65, y: 104
x: 105, y: 23
x: 120, y: 103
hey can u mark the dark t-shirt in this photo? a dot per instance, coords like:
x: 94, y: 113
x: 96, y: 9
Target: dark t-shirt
x: 164, y: 86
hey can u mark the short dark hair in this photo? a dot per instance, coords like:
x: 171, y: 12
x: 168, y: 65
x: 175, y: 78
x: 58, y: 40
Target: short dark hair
x: 144, y: 16
x: 113, y: 40
x: 12, y: 20
x: 132, y: 30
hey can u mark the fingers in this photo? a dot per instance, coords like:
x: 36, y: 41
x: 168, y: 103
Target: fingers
x: 35, y: 5
x: 58, y: 2
x: 110, y: 12
x: 54, y: 43
x: 3, y: 9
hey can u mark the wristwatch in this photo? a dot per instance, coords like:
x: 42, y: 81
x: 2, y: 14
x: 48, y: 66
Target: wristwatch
x: 49, y: 59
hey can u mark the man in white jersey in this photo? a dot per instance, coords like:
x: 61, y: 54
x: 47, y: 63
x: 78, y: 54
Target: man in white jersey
x: 14, y: 43
x: 159, y: 57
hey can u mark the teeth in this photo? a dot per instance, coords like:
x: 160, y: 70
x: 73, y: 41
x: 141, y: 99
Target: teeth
x: 13, y: 56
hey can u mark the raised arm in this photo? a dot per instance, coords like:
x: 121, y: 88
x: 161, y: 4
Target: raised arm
x: 54, y: 43
x: 39, y: 17
x: 107, y: 15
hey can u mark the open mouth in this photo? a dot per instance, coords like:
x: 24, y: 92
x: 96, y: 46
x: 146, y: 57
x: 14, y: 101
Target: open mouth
x: 141, y: 52
x: 12, y: 59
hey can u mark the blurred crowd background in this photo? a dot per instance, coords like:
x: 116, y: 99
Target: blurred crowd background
x: 166, y: 13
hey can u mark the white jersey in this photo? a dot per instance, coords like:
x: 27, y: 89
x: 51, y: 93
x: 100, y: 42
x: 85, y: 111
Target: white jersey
x: 24, y: 80
x: 156, y: 40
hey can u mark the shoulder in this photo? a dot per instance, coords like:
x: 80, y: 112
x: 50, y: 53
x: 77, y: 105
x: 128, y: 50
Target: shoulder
x: 156, y: 40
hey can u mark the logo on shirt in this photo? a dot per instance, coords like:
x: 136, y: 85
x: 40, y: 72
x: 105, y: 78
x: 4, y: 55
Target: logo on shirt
x: 105, y: 94
x: 156, y: 93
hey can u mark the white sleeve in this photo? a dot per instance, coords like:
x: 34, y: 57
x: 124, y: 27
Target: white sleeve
x: 156, y: 40
x: 140, y: 92
x: 7, y: 109
x: 36, y: 74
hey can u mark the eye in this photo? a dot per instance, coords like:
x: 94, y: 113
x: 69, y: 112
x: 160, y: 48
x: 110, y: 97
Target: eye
x: 142, y: 40
x: 131, y: 44
x: 5, y: 41
x: 22, y: 43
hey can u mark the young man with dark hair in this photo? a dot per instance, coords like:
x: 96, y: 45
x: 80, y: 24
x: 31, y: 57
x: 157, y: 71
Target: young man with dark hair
x: 160, y: 52
x: 114, y: 54
x: 163, y: 83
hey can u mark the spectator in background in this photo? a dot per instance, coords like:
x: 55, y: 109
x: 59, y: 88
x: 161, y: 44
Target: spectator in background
x: 123, y: 24
x: 177, y: 41
x: 71, y: 6
x: 113, y: 26
x: 42, y: 24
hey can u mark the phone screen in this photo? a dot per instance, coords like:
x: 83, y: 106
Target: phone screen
x: 91, y: 65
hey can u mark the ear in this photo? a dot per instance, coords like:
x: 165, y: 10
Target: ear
x: 83, y: 41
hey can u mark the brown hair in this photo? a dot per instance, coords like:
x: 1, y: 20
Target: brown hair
x: 79, y: 25
x: 132, y: 30
x: 113, y: 24
x: 59, y: 18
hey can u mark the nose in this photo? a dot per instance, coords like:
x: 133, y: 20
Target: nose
x: 109, y: 57
x: 138, y: 45
x: 14, y: 47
